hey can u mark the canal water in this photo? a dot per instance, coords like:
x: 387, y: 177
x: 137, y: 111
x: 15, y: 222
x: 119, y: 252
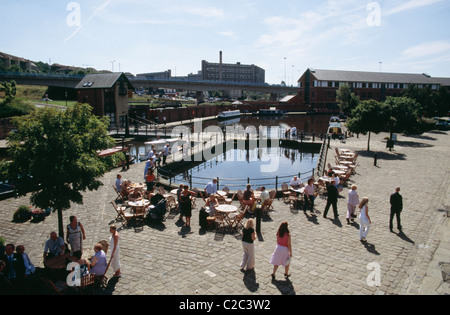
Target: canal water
x: 266, y: 166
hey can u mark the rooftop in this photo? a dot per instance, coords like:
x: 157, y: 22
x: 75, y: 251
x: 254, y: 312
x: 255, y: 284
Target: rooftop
x: 376, y: 77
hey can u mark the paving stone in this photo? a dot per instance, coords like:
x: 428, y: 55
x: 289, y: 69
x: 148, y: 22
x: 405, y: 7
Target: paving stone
x: 328, y: 257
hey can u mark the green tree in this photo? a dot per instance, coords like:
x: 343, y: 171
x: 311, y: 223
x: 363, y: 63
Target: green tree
x: 10, y: 90
x: 346, y: 100
x: 369, y: 116
x: 405, y: 113
x: 54, y: 156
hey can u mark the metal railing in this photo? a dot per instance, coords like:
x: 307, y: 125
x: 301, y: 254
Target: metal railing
x: 232, y: 183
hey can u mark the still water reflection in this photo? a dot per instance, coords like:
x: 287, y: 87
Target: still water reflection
x: 235, y: 167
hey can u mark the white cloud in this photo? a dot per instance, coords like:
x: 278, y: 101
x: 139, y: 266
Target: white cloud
x: 412, y: 4
x: 427, y: 49
x: 204, y: 12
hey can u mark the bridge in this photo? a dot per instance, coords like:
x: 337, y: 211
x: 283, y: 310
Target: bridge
x: 200, y: 86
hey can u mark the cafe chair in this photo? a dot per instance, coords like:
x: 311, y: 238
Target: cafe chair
x: 237, y: 223
x: 228, y: 201
x: 87, y: 282
x: 172, y: 204
x: 285, y: 191
x: 293, y: 200
x: 123, y: 216
x: 119, y: 195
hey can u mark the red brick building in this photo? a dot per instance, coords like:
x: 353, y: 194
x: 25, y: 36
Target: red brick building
x: 317, y: 88
x: 108, y: 95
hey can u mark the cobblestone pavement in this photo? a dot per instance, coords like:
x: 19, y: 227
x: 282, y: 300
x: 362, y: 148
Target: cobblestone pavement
x: 327, y: 255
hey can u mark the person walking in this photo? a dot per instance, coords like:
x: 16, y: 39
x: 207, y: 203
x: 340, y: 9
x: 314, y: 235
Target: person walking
x: 283, y: 251
x: 332, y: 198
x: 114, y: 246
x: 186, y: 204
x: 310, y: 195
x: 364, y: 220
x: 352, y: 203
x: 248, y: 238
x: 396, y: 201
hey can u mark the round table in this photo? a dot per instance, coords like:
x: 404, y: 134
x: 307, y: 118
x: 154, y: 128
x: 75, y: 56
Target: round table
x: 326, y: 179
x: 138, y: 185
x: 300, y: 190
x: 226, y: 210
x: 139, y: 203
x: 221, y: 193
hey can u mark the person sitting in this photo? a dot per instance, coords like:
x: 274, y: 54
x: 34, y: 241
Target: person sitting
x: 30, y: 269
x: 135, y: 195
x: 249, y: 197
x: 83, y: 264
x: 98, y: 262
x: 121, y: 186
x: 14, y: 269
x: 211, y: 204
x: 54, y: 246
x: 264, y: 195
x: 296, y: 183
x: 150, y: 180
x: 118, y: 183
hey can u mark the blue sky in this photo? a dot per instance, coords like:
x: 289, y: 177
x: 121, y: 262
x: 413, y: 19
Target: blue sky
x: 283, y: 37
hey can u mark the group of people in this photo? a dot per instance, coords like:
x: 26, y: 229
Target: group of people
x: 17, y: 272
x: 281, y: 256
x: 353, y: 202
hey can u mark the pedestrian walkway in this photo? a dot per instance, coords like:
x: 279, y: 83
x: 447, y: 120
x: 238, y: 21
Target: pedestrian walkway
x: 327, y: 257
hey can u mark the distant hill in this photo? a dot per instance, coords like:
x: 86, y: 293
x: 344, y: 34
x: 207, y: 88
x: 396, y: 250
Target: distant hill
x: 18, y: 64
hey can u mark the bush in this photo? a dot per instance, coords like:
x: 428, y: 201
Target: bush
x: 22, y: 214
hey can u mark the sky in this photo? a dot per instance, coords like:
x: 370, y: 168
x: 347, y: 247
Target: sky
x: 284, y: 37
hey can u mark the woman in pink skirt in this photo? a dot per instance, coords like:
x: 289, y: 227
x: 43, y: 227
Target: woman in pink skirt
x: 283, y: 251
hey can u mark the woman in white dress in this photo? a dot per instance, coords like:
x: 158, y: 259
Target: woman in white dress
x: 364, y: 219
x: 114, y: 246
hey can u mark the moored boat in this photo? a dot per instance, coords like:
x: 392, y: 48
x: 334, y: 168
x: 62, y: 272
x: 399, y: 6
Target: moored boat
x: 229, y: 114
x: 271, y: 112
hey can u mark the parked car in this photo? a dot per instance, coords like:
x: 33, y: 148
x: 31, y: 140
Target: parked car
x: 443, y: 124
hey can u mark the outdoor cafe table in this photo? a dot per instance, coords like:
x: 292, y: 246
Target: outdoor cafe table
x: 226, y: 210
x: 221, y: 193
x: 339, y: 172
x: 56, y: 267
x: 300, y: 190
x: 326, y: 179
x: 139, y: 205
x: 137, y: 185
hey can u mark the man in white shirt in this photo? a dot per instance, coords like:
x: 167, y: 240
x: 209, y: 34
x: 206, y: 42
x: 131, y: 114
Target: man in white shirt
x: 264, y: 195
x: 296, y: 183
x: 352, y: 202
x: 211, y: 187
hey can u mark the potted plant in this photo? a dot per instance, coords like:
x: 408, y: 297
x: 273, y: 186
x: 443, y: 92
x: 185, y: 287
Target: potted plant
x: 48, y: 211
x: 38, y: 214
x: 22, y: 214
